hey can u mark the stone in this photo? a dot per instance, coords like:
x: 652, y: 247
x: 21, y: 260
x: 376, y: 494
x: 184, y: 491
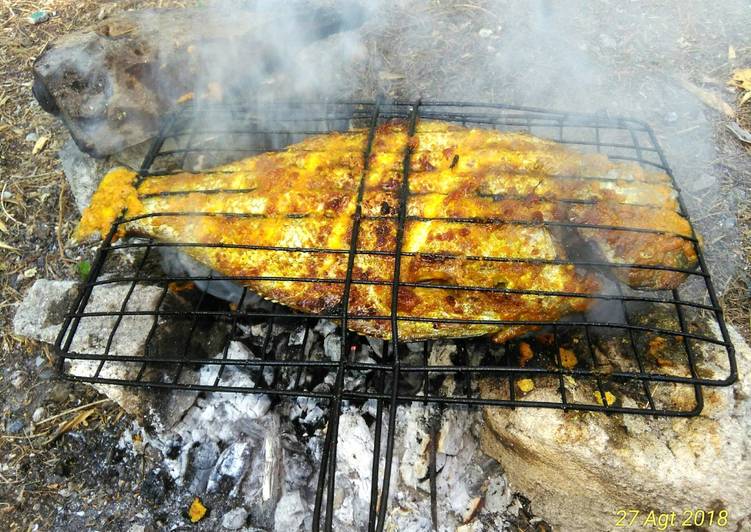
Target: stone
x: 38, y: 415
x: 629, y: 461
x: 17, y: 379
x: 235, y: 519
x: 111, y: 83
x: 82, y: 172
x: 14, y: 427
x: 41, y: 315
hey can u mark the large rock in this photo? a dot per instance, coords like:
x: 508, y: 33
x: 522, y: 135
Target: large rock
x: 40, y: 317
x: 579, y: 469
x: 111, y: 83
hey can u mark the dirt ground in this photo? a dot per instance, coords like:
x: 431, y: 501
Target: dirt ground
x: 60, y: 467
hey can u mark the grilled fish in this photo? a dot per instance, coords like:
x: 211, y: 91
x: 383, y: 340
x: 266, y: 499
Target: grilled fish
x: 484, y: 237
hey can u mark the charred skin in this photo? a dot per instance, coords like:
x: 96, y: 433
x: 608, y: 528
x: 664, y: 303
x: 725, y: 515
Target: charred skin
x: 290, y: 214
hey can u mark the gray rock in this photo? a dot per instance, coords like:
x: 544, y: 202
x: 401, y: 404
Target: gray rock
x: 14, y: 427
x: 17, y: 379
x: 82, y: 172
x: 59, y: 392
x: 640, y: 462
x: 101, y: 80
x: 42, y: 312
x: 235, y: 519
x: 38, y: 415
x: 204, y: 457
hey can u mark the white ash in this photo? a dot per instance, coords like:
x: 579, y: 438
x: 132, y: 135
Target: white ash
x: 262, y: 458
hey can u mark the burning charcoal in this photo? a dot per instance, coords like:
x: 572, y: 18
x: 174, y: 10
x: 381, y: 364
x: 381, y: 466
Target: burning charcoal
x: 232, y: 465
x: 441, y: 354
x: 297, y: 336
x: 325, y: 327
x: 290, y: 513
x: 332, y: 346
x: 451, y: 433
x: 235, y: 519
x: 376, y: 344
x: 155, y: 486
x: 203, y: 458
x: 497, y: 495
x: 307, y: 410
x: 416, y: 347
x: 297, y: 469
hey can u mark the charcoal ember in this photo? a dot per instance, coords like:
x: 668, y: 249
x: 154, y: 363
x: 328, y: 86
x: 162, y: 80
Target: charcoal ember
x: 377, y: 345
x: 203, y: 458
x: 332, y: 346
x: 325, y: 327
x: 353, y: 460
x: 231, y: 466
x: 235, y: 519
x: 307, y: 410
x: 297, y: 469
x: 112, y: 83
x: 155, y: 486
x: 290, y: 513
x: 297, y: 336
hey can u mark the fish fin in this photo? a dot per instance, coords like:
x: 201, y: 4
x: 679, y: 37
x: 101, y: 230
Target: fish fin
x: 116, y: 194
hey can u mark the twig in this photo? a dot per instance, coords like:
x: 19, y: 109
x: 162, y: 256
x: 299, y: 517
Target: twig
x: 2, y: 204
x: 71, y: 410
x: 60, y: 216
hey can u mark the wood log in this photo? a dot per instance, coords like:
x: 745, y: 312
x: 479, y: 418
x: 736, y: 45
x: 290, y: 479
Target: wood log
x: 111, y: 84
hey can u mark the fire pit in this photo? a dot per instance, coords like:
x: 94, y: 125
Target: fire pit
x: 621, y: 356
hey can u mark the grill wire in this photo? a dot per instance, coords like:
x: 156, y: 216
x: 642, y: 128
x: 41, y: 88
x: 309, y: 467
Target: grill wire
x: 403, y: 372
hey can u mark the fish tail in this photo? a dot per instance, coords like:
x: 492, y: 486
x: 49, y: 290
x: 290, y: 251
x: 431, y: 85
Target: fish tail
x: 116, y: 194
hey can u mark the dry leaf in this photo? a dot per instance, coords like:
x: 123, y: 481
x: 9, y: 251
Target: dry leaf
x: 742, y: 78
x: 185, y: 97
x: 731, y: 53
x: 71, y: 424
x: 525, y: 385
x: 740, y: 133
x: 197, y: 510
x: 40, y: 144
x: 708, y: 98
x: 385, y: 75
x: 3, y: 245
x: 3, y: 227
x: 609, y: 397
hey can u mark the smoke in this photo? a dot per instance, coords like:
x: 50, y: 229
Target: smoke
x: 611, y: 58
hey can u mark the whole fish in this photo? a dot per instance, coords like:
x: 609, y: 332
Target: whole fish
x: 489, y: 224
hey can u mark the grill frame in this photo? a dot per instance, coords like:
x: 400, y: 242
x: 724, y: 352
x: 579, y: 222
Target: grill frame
x: 387, y: 373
